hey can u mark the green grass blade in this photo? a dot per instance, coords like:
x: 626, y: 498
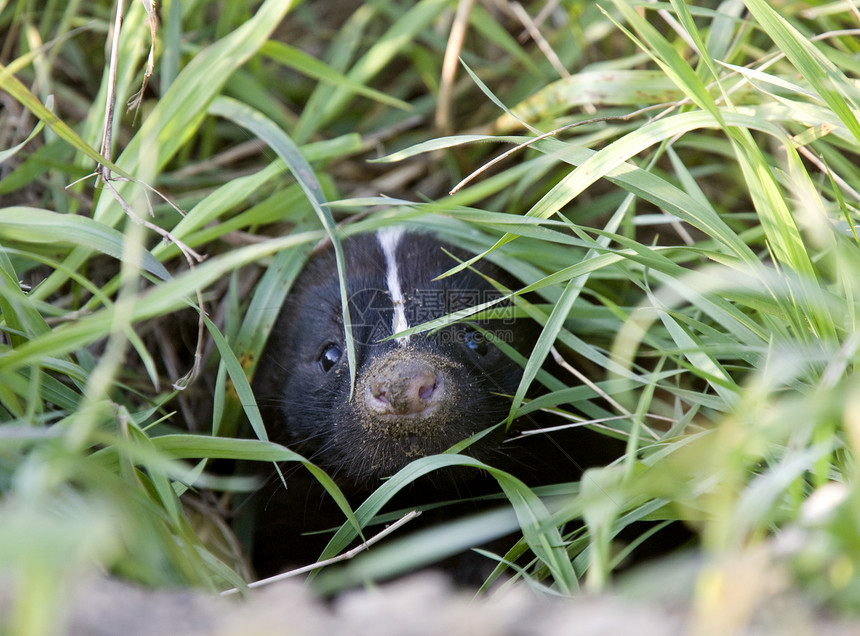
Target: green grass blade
x: 176, y: 116
x: 533, y: 516
x: 36, y: 226
x: 287, y: 150
x: 829, y: 82
x: 312, y: 67
x: 384, y: 49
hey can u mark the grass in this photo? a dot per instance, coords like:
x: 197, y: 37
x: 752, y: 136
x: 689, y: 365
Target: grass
x: 678, y: 184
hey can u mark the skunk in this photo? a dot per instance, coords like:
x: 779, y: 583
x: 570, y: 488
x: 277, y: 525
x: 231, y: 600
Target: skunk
x: 414, y: 395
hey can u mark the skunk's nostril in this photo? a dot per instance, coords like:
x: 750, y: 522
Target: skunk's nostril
x: 426, y: 391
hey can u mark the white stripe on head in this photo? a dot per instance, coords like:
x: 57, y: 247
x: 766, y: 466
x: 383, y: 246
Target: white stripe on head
x: 389, y: 238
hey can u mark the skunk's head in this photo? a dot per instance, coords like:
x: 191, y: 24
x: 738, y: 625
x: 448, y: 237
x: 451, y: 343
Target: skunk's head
x: 414, y: 396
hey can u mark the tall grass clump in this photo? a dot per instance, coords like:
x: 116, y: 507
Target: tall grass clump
x: 677, y: 187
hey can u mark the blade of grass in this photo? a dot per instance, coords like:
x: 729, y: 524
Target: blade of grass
x: 37, y: 226
x: 308, y: 65
x: 543, y: 538
x: 289, y: 152
x: 828, y: 81
x: 173, y: 120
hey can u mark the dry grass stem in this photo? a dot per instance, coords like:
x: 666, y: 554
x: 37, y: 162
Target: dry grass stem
x: 346, y: 556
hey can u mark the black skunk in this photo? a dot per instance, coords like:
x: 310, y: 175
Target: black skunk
x: 414, y: 396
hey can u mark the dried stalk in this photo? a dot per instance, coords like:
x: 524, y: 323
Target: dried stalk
x: 341, y: 557
x: 103, y: 174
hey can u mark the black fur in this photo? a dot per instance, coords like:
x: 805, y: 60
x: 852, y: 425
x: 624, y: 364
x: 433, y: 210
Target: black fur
x: 302, y: 387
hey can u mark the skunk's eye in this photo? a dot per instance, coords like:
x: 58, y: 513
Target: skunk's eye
x: 329, y: 356
x: 475, y: 341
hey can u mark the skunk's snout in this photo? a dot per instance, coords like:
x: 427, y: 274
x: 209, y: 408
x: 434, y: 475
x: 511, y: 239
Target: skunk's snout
x: 409, y: 392
x: 406, y: 388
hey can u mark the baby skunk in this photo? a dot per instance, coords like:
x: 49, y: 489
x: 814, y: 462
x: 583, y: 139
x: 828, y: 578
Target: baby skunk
x: 414, y: 395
